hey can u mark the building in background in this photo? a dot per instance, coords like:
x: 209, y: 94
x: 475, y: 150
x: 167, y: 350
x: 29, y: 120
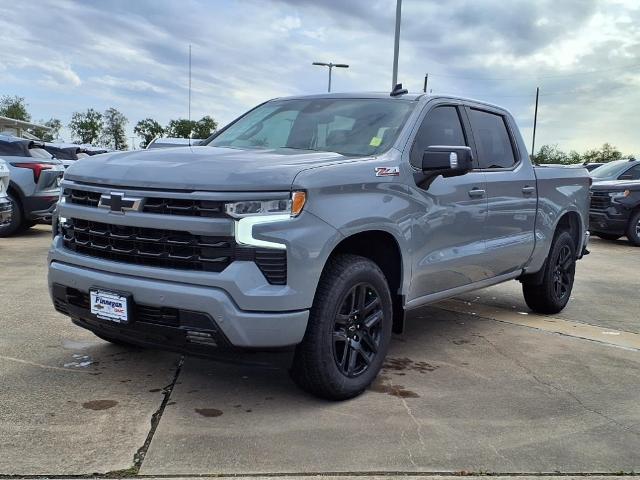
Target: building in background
x: 19, y: 128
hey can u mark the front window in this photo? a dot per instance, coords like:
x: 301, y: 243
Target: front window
x: 345, y: 126
x: 610, y: 170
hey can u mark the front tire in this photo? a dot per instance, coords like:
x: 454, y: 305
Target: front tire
x: 633, y: 230
x: 552, y: 295
x: 349, y: 330
x: 17, y: 220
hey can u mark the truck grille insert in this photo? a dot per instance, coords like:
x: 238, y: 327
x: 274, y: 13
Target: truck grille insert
x: 156, y: 205
x: 168, y: 248
x: 600, y: 201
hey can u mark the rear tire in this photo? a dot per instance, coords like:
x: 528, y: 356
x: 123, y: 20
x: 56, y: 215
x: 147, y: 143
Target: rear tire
x: 608, y: 236
x: 633, y: 229
x: 552, y: 295
x: 349, y: 330
x: 17, y: 219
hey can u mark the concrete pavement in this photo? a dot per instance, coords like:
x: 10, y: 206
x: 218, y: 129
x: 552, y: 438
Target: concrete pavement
x: 458, y: 393
x: 69, y: 402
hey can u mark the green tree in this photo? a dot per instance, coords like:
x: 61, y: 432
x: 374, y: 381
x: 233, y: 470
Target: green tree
x: 148, y: 129
x: 113, y: 134
x: 606, y: 153
x: 550, y: 154
x: 180, y: 128
x: 183, y: 128
x: 47, y: 135
x: 86, y: 127
x: 14, y: 107
x: 205, y: 127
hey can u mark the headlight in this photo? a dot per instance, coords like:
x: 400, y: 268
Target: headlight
x: 619, y: 194
x: 251, y: 213
x: 292, y: 206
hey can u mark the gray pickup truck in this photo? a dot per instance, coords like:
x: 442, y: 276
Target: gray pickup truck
x: 314, y: 222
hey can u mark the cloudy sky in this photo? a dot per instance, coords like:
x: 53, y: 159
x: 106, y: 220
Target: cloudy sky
x: 64, y: 56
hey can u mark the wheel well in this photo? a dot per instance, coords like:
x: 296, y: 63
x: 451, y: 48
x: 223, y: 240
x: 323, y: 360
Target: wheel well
x: 17, y: 194
x: 383, y: 249
x: 570, y: 222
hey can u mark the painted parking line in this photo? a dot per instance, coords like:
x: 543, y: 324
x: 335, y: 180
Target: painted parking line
x: 547, y: 323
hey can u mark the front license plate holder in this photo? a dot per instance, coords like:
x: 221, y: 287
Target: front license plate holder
x: 111, y: 306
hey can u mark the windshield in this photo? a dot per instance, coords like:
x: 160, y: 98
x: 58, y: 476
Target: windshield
x: 345, y: 126
x: 611, y: 169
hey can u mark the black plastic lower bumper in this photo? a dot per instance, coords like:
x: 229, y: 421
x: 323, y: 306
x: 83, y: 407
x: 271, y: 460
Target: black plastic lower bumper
x: 606, y: 223
x: 164, y: 328
x: 40, y: 209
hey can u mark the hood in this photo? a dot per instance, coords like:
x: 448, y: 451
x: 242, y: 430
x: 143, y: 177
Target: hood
x: 613, y: 185
x: 201, y: 168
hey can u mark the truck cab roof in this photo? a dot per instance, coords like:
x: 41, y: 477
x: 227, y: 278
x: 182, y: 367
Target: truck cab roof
x: 416, y: 97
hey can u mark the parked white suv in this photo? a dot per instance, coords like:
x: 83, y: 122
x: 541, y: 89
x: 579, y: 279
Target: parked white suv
x: 5, y: 203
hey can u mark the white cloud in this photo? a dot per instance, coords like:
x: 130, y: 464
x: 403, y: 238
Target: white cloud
x: 133, y: 56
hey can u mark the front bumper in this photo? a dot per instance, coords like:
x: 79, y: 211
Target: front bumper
x: 613, y: 220
x: 198, y: 313
x: 40, y: 208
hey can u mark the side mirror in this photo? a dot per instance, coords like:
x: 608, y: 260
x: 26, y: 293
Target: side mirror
x: 447, y: 161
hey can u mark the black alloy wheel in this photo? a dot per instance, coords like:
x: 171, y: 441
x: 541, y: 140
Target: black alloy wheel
x: 357, y: 330
x: 563, y: 272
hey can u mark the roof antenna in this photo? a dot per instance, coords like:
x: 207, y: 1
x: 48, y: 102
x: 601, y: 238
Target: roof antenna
x: 190, y: 132
x: 398, y: 90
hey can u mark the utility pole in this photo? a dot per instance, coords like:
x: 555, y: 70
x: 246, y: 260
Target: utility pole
x: 426, y: 80
x: 330, y: 65
x: 396, y: 46
x: 535, y: 124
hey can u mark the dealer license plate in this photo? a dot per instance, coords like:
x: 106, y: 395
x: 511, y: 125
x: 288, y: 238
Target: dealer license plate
x: 109, y: 306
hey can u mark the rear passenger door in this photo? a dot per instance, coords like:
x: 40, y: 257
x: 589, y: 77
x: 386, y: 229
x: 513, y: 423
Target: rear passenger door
x: 511, y: 190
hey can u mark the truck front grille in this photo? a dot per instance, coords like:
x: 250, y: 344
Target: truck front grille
x: 157, y: 205
x: 600, y: 201
x: 168, y: 248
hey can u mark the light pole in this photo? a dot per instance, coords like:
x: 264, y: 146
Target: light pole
x: 330, y: 65
x: 396, y: 45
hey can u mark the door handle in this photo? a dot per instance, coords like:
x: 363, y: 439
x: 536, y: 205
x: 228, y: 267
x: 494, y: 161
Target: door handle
x: 528, y: 190
x: 476, y: 193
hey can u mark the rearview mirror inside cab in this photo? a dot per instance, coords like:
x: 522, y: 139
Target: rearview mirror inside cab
x: 447, y: 161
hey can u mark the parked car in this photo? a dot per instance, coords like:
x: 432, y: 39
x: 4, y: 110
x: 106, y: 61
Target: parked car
x: 617, y: 170
x: 590, y: 166
x: 615, y: 210
x: 91, y: 150
x: 314, y: 222
x: 34, y: 186
x: 5, y: 204
x: 67, y: 154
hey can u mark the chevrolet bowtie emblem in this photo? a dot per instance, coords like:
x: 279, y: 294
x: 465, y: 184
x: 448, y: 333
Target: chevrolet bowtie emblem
x: 116, y: 202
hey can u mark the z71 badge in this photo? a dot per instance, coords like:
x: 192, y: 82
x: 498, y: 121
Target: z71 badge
x: 387, y: 171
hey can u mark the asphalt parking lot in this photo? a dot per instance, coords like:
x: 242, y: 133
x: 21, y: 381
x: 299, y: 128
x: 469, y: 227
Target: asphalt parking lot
x: 477, y: 384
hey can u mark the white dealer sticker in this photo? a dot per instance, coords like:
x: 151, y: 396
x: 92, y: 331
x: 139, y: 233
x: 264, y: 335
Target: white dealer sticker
x: 109, y: 306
